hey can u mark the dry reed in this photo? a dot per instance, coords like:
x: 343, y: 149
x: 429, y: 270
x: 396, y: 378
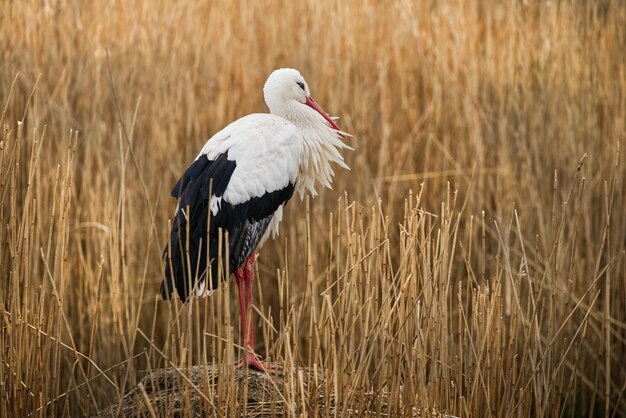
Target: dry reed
x: 471, y: 263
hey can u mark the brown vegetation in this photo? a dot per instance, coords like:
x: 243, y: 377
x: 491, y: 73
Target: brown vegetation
x: 473, y: 260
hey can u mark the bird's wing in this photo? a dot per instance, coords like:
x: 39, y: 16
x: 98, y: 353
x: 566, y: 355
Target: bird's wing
x: 243, y: 175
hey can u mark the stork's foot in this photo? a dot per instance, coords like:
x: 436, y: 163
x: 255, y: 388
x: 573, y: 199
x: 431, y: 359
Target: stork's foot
x: 251, y: 361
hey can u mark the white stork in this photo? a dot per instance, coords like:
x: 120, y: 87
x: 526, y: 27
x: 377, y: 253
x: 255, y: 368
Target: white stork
x: 239, y: 183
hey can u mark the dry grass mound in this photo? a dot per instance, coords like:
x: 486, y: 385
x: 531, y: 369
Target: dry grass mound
x: 177, y: 392
x: 242, y: 392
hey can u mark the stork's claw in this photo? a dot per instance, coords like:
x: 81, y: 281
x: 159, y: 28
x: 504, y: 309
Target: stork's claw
x: 251, y: 361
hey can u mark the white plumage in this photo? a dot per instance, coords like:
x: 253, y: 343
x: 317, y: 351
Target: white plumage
x: 242, y: 179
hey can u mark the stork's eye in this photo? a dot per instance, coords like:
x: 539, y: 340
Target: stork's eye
x: 301, y: 85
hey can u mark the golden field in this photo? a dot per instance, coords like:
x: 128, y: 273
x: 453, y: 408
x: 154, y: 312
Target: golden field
x: 472, y: 262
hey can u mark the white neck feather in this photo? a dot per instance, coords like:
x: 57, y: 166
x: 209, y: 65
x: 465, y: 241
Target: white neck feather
x: 320, y: 148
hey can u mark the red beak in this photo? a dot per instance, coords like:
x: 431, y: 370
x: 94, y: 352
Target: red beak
x: 313, y: 105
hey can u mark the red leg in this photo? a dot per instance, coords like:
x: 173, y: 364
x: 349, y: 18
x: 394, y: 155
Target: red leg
x: 241, y: 290
x: 244, y: 277
x: 249, y: 278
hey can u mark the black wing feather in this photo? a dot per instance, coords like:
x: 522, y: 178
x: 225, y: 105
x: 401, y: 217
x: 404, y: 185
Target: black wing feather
x: 186, y: 257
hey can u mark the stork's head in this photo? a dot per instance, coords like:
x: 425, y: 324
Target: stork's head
x: 287, y: 94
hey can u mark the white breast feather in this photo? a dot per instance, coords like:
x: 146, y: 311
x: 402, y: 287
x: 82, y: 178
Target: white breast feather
x: 320, y: 148
x: 270, y: 153
x: 267, y: 150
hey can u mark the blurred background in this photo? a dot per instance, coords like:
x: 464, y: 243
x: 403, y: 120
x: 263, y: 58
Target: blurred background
x: 504, y: 117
